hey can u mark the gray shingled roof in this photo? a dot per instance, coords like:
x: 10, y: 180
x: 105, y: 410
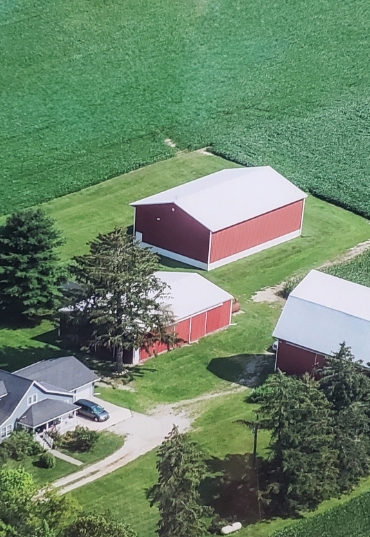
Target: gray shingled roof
x: 3, y: 390
x: 44, y: 411
x: 67, y: 373
x: 16, y: 387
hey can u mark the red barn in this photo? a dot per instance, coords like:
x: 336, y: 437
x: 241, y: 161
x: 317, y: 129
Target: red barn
x: 200, y: 308
x: 321, y: 313
x: 222, y: 217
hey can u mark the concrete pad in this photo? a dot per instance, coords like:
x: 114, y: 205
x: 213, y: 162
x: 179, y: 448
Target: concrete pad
x: 118, y: 414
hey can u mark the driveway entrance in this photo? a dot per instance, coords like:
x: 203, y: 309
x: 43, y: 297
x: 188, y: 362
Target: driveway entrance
x: 118, y: 414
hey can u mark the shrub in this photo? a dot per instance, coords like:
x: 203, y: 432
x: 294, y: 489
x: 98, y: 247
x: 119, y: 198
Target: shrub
x: 19, y: 445
x: 83, y: 439
x: 47, y: 460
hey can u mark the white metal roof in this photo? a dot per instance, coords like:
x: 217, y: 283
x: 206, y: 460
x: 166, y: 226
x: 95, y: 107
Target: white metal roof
x: 230, y: 196
x: 189, y: 293
x: 323, y: 311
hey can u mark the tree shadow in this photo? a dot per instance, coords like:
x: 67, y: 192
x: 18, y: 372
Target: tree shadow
x: 232, y: 489
x: 13, y: 358
x: 48, y: 338
x: 16, y: 323
x: 108, y: 372
x: 245, y: 369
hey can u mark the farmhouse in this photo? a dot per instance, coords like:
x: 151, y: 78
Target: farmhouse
x: 41, y: 396
x: 320, y: 313
x: 222, y: 217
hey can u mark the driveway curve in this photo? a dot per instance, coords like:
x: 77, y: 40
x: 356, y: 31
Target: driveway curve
x: 143, y: 433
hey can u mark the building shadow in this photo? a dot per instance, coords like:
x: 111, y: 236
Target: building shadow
x: 171, y: 263
x: 245, y: 369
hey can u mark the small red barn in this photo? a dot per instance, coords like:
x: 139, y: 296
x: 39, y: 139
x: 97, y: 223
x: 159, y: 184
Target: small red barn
x: 222, y: 217
x: 200, y: 308
x: 321, y: 313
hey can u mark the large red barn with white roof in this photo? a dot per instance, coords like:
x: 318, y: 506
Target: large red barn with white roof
x: 221, y: 217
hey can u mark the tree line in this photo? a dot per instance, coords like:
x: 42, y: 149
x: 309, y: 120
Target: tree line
x: 320, y: 442
x: 118, y: 302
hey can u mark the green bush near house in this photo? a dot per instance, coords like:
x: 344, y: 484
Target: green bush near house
x: 19, y: 445
x: 47, y: 460
x: 81, y: 439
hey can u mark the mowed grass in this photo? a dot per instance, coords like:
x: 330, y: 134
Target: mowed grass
x: 216, y: 360
x: 227, y: 446
x: 42, y: 476
x: 125, y: 491
x: 107, y: 444
x: 92, y: 89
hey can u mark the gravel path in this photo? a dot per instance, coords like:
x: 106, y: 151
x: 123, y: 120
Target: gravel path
x: 143, y: 433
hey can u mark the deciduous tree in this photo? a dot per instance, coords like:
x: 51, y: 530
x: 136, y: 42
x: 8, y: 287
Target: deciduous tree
x: 98, y: 525
x: 122, y: 297
x: 181, y: 469
x: 29, y: 270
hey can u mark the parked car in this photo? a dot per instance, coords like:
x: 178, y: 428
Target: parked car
x: 92, y: 410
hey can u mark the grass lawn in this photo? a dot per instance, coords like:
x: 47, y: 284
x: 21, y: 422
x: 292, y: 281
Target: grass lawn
x: 227, y: 446
x: 42, y: 476
x: 107, y: 444
x: 82, y: 215
x: 215, y: 361
x: 93, y: 89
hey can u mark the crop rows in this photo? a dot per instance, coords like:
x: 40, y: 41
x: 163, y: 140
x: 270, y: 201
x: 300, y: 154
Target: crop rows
x: 350, y: 519
x: 356, y: 270
x: 91, y: 89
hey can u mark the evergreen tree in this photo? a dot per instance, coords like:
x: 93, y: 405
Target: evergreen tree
x: 302, y: 456
x: 29, y: 271
x: 348, y: 391
x: 122, y: 296
x: 181, y: 470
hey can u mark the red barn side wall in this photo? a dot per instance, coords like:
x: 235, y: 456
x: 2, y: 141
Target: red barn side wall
x: 182, y: 330
x: 251, y: 233
x: 198, y: 326
x: 295, y: 360
x: 175, y: 230
x: 194, y: 328
x: 219, y: 317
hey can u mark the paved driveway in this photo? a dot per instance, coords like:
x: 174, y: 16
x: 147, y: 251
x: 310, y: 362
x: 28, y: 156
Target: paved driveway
x: 118, y: 414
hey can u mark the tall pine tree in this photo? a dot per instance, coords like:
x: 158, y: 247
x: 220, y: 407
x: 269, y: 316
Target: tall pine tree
x: 181, y: 470
x: 347, y: 389
x: 29, y: 270
x: 302, y: 466
x: 122, y: 297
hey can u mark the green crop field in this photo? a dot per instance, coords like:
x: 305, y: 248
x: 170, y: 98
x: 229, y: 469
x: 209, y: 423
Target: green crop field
x: 356, y: 270
x: 348, y: 520
x: 90, y: 89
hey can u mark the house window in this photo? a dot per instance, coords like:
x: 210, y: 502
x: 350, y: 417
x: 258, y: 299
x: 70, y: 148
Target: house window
x: 32, y: 399
x: 5, y: 431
